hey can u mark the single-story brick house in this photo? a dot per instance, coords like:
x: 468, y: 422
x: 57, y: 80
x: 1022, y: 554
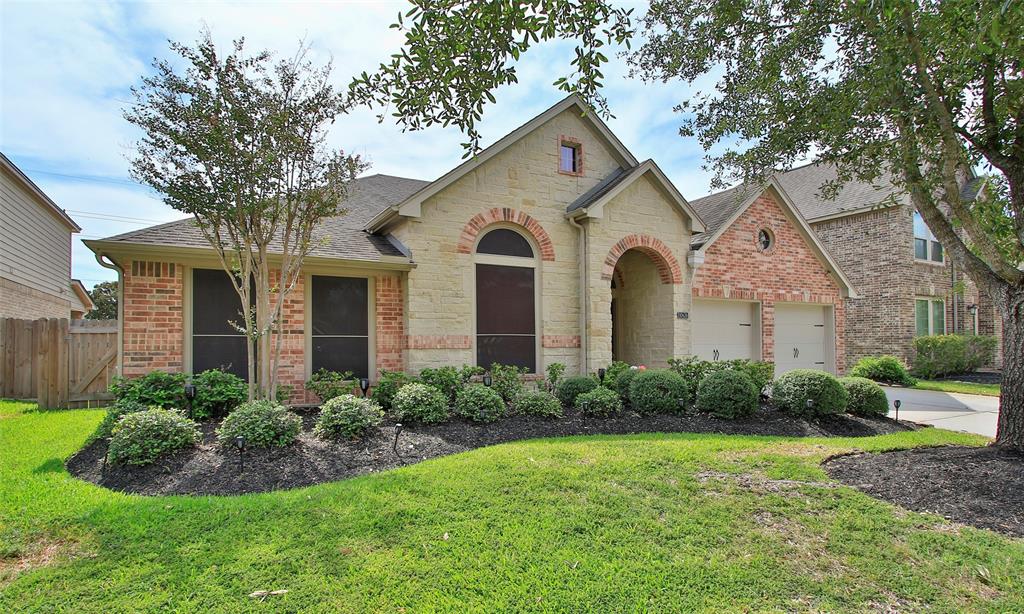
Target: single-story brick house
x: 555, y: 244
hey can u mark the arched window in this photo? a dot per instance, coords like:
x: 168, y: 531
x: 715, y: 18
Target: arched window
x: 506, y: 300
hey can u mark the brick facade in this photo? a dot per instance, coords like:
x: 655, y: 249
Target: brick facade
x: 734, y: 268
x: 21, y: 301
x: 154, y: 333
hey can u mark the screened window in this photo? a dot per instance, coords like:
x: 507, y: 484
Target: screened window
x: 506, y: 323
x: 930, y: 316
x: 570, y: 158
x: 340, y: 324
x: 926, y: 246
x: 216, y: 313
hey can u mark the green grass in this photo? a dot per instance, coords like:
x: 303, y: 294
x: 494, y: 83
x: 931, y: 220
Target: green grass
x: 651, y: 522
x: 991, y: 390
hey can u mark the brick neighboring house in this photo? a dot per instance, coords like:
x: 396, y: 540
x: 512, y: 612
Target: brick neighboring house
x: 555, y: 244
x: 905, y: 283
x: 35, y: 252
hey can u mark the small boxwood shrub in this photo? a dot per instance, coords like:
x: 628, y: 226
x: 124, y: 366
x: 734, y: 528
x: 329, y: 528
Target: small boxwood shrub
x: 263, y: 424
x: 387, y: 387
x: 446, y: 379
x: 418, y: 402
x: 507, y: 381
x: 600, y: 401
x: 571, y: 387
x: 613, y: 371
x: 865, y: 397
x: 727, y: 394
x: 658, y: 392
x: 217, y: 393
x: 539, y: 403
x: 141, y: 437
x: 347, y: 417
x: 941, y: 355
x: 327, y: 385
x: 694, y: 370
x: 156, y: 388
x: 621, y: 383
x: 116, y: 411
x: 793, y: 389
x: 885, y: 369
x: 479, y: 403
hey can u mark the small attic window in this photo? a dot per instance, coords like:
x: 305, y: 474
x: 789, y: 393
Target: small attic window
x: 570, y: 156
x: 765, y: 240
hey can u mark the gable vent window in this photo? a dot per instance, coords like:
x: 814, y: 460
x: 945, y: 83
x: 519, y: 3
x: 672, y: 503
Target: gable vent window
x: 765, y: 240
x: 570, y: 156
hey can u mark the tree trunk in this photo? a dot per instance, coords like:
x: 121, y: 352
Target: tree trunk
x: 1010, y: 431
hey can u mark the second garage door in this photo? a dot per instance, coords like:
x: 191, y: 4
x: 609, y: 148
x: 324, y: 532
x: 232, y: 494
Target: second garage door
x: 802, y: 337
x: 725, y: 330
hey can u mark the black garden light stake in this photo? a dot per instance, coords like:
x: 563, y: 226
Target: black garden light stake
x: 364, y: 385
x: 190, y: 394
x: 600, y: 375
x: 585, y: 406
x: 240, y: 444
x: 394, y: 445
x: 810, y: 406
x: 897, y: 404
x: 682, y: 404
x: 487, y: 379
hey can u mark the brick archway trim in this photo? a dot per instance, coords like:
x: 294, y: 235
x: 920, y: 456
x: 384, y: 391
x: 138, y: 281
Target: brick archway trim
x: 668, y: 267
x: 505, y: 214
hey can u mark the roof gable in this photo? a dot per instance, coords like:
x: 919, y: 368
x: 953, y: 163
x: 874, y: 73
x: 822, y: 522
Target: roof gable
x: 29, y: 186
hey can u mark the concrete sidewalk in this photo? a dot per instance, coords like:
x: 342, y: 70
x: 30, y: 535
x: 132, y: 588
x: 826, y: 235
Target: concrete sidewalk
x: 957, y: 412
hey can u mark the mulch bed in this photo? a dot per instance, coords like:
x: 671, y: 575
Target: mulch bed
x: 211, y: 470
x: 983, y: 487
x: 978, y: 377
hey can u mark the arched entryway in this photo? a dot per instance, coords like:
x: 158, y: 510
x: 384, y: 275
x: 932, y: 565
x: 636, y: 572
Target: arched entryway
x: 641, y: 309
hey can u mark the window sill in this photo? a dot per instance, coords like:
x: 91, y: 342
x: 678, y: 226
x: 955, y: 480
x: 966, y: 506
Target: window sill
x: 930, y: 262
x: 570, y: 174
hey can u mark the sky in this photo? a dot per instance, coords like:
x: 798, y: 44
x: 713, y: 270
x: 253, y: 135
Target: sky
x: 66, y: 70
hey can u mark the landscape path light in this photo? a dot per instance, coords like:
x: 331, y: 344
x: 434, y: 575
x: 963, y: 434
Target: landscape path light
x: 487, y: 379
x: 897, y: 404
x: 190, y: 395
x: 364, y: 385
x: 394, y: 445
x: 600, y: 375
x: 240, y: 445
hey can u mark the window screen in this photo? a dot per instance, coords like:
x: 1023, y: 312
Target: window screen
x: 505, y: 316
x: 504, y: 242
x: 216, y: 343
x: 340, y: 324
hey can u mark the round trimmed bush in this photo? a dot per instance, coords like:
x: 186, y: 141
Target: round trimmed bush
x: 387, y: 387
x: 600, y: 401
x: 539, y: 403
x: 866, y: 398
x: 420, y: 403
x: 479, y: 403
x: 217, y: 393
x: 571, y: 387
x: 658, y: 392
x: 347, y: 417
x: 142, y: 437
x: 727, y: 394
x: 115, y: 412
x: 885, y: 369
x: 263, y: 424
x: 622, y: 381
x: 794, y: 389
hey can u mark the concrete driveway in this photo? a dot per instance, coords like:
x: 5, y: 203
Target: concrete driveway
x: 957, y: 412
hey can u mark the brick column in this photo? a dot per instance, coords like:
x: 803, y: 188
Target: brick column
x: 154, y: 335
x: 390, y: 323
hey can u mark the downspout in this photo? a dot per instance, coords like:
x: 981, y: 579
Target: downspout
x: 584, y: 292
x: 110, y: 264
x: 953, y: 293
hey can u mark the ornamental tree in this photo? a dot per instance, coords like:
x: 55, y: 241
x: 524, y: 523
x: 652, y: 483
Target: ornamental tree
x: 919, y: 92
x: 238, y: 142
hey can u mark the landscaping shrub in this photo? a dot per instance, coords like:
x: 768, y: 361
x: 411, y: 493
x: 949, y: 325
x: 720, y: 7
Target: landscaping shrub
x: 865, y: 397
x: 262, y: 423
x: 156, y: 388
x: 941, y: 355
x: 571, y: 387
x: 694, y: 370
x: 116, y: 411
x: 141, y: 437
x: 347, y: 417
x: 327, y: 385
x: 727, y: 394
x: 479, y: 403
x: 658, y: 391
x: 555, y: 371
x: 446, y: 379
x: 885, y: 369
x: 600, y: 401
x: 793, y: 389
x: 539, y: 403
x: 621, y: 383
x: 613, y: 371
x: 417, y: 402
x: 217, y: 393
x: 283, y: 393
x: 507, y: 381
x: 387, y: 387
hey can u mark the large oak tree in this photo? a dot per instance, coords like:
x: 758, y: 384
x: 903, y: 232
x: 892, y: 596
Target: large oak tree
x: 926, y: 91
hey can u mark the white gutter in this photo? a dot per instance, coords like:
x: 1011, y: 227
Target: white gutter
x: 120, y: 307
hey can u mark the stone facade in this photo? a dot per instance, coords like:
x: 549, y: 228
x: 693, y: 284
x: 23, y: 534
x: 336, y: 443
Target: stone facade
x: 789, y: 271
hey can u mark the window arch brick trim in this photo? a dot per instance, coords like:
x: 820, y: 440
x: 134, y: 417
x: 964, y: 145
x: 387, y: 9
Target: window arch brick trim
x: 504, y: 214
x: 668, y: 267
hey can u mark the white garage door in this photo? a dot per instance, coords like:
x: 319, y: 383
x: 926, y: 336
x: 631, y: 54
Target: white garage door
x: 725, y: 330
x: 802, y: 337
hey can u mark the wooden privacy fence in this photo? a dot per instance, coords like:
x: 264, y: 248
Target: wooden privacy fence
x: 58, y: 362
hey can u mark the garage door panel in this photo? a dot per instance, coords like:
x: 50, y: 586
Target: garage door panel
x: 724, y: 330
x: 802, y: 338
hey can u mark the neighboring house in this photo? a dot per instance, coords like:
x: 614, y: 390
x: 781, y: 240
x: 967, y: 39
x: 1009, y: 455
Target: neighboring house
x: 906, y: 285
x: 35, y: 252
x: 555, y: 244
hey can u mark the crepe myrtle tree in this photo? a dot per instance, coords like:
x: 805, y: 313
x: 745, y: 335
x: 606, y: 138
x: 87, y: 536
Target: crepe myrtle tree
x: 239, y: 142
x: 917, y: 92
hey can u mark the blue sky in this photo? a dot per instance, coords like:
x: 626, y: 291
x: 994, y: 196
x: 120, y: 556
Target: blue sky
x: 66, y: 70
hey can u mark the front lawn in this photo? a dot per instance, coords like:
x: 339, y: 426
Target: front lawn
x: 991, y: 390
x: 610, y: 523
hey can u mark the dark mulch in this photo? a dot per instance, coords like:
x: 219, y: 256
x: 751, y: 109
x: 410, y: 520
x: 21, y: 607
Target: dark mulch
x: 978, y: 377
x: 983, y: 487
x: 209, y: 469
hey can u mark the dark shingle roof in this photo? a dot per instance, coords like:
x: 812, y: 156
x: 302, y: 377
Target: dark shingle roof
x: 607, y: 185
x: 343, y: 235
